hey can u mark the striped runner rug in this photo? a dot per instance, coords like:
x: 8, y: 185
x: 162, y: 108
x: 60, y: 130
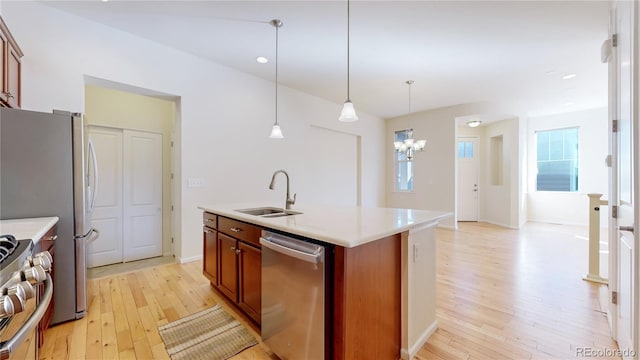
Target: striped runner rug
x: 208, y: 334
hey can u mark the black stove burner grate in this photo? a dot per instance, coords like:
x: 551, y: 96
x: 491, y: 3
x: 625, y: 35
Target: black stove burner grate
x: 8, y: 244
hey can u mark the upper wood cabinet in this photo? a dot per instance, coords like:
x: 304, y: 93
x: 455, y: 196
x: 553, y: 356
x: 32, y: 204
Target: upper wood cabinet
x: 11, y: 79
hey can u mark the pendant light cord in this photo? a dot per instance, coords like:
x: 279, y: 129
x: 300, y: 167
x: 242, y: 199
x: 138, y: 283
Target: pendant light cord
x: 348, y: 45
x: 277, y: 75
x: 409, y: 82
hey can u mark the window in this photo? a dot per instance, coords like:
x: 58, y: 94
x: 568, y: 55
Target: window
x: 404, y: 166
x: 557, y: 160
x: 465, y: 149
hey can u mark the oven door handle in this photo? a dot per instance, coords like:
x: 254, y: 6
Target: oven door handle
x: 30, y: 325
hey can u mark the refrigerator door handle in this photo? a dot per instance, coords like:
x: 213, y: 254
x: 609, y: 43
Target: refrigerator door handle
x: 92, y: 151
x: 90, y: 236
x: 93, y: 235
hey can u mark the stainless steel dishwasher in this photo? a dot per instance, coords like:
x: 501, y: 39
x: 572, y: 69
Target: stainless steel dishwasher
x: 293, y: 297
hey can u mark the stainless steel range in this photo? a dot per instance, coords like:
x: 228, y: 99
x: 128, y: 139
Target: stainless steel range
x: 21, y: 310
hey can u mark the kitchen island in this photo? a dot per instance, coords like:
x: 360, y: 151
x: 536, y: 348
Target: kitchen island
x: 383, y: 275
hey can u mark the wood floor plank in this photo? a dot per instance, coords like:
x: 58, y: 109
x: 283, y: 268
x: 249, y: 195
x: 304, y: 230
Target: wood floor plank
x: 501, y: 294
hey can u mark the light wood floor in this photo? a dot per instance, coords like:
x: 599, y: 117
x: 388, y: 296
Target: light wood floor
x: 501, y: 294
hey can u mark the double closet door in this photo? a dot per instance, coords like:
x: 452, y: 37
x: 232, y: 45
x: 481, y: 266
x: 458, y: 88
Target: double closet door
x: 128, y: 208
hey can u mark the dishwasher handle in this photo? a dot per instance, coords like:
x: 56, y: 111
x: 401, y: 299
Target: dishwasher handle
x: 313, y: 258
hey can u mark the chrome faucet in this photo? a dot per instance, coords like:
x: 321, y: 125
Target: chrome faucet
x: 289, y: 201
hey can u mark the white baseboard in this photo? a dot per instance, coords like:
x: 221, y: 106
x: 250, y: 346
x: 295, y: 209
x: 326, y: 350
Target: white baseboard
x: 499, y: 224
x: 413, y: 349
x: 190, y: 259
x: 447, y: 226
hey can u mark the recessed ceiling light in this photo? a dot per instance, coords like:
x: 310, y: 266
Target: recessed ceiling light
x: 262, y: 60
x: 104, y: 0
x: 569, y: 76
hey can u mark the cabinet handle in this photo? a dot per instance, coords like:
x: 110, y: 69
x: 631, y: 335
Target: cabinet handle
x: 50, y: 238
x: 208, y: 231
x: 9, y: 95
x: 233, y: 248
x: 209, y: 220
x: 238, y: 251
x: 235, y: 229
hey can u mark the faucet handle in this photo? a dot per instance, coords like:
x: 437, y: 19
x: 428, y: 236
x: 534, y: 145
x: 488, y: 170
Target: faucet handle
x: 292, y: 202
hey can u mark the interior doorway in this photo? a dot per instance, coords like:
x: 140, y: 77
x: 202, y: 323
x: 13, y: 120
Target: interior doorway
x: 136, y: 189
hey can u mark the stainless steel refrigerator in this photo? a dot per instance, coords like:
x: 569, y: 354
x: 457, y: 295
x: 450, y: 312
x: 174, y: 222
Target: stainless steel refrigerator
x: 48, y: 168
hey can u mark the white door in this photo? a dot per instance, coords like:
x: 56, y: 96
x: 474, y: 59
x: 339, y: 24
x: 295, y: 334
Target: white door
x: 107, y: 215
x: 624, y: 146
x: 142, y: 195
x: 468, y: 179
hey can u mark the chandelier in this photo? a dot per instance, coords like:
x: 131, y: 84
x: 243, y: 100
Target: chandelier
x: 409, y: 145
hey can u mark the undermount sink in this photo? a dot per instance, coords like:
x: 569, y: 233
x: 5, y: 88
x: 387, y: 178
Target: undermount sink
x: 268, y: 212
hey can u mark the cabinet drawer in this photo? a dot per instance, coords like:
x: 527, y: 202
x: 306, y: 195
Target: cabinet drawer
x: 239, y: 230
x: 210, y: 220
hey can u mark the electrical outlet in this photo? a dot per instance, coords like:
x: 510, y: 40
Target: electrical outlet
x: 195, y: 182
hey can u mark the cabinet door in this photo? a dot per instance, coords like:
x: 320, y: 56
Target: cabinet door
x: 250, y: 281
x: 228, y: 266
x: 210, y: 251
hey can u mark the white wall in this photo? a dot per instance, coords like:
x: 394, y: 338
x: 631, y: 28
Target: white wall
x: 499, y: 203
x: 223, y: 121
x: 571, y: 207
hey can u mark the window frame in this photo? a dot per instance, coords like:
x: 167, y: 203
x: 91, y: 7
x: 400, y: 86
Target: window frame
x: 577, y: 158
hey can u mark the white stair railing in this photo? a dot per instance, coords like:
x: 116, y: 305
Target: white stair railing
x: 594, y: 239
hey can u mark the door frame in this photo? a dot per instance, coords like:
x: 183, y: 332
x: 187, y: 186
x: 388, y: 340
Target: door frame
x: 614, y: 233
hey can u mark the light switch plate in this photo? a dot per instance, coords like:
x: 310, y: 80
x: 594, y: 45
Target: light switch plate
x: 195, y: 182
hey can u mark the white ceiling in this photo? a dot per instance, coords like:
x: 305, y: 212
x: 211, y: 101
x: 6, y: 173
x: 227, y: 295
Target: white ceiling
x: 514, y: 52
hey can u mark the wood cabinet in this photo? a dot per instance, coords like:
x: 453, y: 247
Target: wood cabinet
x: 250, y: 280
x: 46, y: 243
x: 228, y: 270
x: 233, y: 262
x: 210, y: 254
x: 11, y: 69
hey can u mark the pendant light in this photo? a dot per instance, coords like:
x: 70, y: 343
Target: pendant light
x: 409, y: 145
x: 276, y: 132
x: 348, y: 113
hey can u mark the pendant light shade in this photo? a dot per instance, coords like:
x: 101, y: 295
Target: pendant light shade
x: 348, y: 113
x: 276, y: 132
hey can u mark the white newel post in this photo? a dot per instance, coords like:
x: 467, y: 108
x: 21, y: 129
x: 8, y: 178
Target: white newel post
x: 594, y: 239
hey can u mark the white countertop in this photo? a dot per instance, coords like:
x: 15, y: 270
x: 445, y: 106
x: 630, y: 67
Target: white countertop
x: 346, y: 226
x: 32, y: 228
